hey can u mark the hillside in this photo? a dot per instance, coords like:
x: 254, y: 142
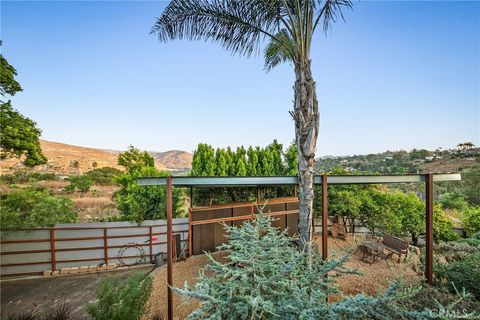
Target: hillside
x: 414, y: 161
x: 65, y: 159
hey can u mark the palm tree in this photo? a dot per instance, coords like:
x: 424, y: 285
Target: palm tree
x: 286, y: 28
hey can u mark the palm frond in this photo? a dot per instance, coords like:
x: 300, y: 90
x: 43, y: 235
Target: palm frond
x: 239, y: 26
x: 328, y: 11
x: 279, y: 50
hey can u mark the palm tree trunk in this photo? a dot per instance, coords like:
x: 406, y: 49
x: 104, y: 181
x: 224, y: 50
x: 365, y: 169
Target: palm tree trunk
x: 306, y: 116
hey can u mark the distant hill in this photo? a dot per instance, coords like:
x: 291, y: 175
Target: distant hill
x: 401, y: 161
x: 65, y: 159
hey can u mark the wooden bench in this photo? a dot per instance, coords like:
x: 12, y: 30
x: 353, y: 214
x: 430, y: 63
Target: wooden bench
x: 395, y: 246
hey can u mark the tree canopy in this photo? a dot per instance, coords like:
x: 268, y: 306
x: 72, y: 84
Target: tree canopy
x: 19, y: 135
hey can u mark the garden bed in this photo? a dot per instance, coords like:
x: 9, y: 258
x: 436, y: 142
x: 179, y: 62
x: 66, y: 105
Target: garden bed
x: 375, y: 278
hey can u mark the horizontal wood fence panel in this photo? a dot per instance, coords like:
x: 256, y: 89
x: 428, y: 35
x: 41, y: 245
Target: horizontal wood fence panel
x: 206, y: 223
x: 32, y: 251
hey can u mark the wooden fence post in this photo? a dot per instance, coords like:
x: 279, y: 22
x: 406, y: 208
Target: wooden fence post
x: 105, y: 245
x: 429, y: 227
x: 52, y: 249
x: 151, y: 243
x: 169, y: 250
x: 324, y: 217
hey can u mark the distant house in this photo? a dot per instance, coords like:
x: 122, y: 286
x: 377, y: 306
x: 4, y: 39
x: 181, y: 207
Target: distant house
x: 429, y: 158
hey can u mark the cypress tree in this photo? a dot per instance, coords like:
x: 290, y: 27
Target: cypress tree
x: 252, y: 162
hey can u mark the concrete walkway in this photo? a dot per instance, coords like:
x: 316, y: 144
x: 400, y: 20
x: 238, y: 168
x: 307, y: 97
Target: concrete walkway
x: 21, y: 295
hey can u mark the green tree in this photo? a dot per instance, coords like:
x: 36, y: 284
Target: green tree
x: 139, y: 203
x: 276, y: 150
x: 133, y: 159
x: 30, y: 208
x: 291, y: 159
x: 221, y: 166
x: 19, y: 136
x: 252, y: 161
x: 241, y: 167
x: 231, y: 163
x: 203, y: 162
x: 288, y: 27
x: 412, y: 213
x: 8, y: 83
x: 241, y: 162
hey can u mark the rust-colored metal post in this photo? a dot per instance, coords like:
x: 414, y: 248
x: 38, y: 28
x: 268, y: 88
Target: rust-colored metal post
x: 190, y: 233
x: 324, y: 217
x: 150, y: 231
x: 105, y: 245
x: 52, y: 249
x: 429, y: 227
x: 169, y: 249
x: 191, y: 197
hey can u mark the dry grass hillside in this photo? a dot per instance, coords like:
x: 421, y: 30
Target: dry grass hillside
x: 63, y: 159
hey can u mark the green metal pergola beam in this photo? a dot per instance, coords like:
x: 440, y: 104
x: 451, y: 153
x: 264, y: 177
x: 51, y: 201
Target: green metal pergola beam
x: 182, y: 181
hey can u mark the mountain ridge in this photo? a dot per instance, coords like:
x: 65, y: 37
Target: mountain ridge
x: 67, y: 159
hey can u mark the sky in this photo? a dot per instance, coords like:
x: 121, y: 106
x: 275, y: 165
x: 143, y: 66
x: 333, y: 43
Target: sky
x: 394, y: 75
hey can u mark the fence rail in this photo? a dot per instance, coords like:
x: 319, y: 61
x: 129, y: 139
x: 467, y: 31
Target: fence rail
x: 31, y: 251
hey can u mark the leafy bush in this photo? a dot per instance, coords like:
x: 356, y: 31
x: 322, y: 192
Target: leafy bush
x: 28, y: 208
x: 121, y: 299
x: 26, y: 177
x: 138, y: 203
x: 104, y: 176
x: 455, y: 250
x: 79, y: 183
x: 453, y: 200
x: 471, y: 242
x: 471, y: 220
x: 443, y: 226
x: 59, y: 311
x: 461, y: 274
x: 432, y: 296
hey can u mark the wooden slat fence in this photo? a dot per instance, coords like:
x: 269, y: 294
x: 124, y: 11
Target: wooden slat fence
x: 31, y: 251
x: 207, y: 231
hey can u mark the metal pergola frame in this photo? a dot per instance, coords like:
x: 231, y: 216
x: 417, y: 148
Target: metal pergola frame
x: 323, y: 180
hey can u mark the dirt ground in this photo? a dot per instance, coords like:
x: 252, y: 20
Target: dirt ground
x: 22, y: 295
x: 375, y: 278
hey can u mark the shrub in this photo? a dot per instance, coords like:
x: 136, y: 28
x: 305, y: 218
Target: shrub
x: 29, y: 208
x: 455, y: 250
x: 58, y: 311
x: 471, y: 220
x: 139, y: 203
x: 432, y: 296
x: 26, y: 177
x: 453, y: 200
x: 266, y: 277
x: 460, y: 274
x: 79, y: 183
x: 104, y: 176
x: 121, y: 299
x: 443, y: 226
